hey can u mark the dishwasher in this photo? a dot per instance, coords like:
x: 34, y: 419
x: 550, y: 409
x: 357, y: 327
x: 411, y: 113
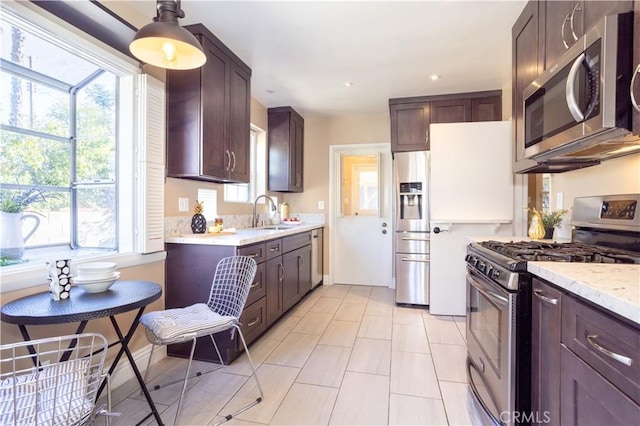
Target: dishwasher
x: 316, y: 257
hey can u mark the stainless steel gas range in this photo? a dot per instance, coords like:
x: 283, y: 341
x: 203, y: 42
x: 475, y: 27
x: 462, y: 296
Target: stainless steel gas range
x: 606, y: 229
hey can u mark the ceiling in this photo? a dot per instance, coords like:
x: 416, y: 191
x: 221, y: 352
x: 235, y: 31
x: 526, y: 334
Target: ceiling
x: 302, y: 53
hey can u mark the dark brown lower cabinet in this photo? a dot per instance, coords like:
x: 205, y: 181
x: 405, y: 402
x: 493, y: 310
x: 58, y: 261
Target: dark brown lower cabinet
x: 585, y: 361
x: 587, y: 398
x: 274, y: 274
x: 189, y: 271
x: 297, y: 276
x: 545, y: 352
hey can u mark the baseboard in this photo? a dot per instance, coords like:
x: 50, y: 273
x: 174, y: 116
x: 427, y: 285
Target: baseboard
x: 124, y: 372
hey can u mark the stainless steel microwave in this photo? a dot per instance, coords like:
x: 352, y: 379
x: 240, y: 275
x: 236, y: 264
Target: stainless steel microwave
x: 579, y: 109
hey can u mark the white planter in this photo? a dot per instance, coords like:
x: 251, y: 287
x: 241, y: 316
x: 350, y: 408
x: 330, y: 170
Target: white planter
x: 11, y: 239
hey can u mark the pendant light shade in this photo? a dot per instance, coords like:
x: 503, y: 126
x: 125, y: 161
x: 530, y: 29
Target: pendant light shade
x: 164, y: 43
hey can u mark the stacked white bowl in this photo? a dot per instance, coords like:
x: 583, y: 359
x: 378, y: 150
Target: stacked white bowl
x: 96, y: 277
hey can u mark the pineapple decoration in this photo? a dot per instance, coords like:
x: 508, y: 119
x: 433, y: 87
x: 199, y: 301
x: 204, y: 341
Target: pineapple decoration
x: 198, y: 221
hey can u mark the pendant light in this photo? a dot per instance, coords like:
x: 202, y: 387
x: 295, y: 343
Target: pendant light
x: 164, y: 43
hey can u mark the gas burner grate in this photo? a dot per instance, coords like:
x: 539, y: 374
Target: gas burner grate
x: 561, y: 252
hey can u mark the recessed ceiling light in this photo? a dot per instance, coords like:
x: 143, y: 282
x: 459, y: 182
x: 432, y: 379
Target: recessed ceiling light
x: 347, y: 84
x: 434, y: 77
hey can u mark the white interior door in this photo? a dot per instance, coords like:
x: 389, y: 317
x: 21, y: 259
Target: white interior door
x: 360, y: 221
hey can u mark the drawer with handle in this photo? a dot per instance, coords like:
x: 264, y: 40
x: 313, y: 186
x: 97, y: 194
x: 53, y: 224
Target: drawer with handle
x: 274, y: 248
x: 607, y: 345
x: 258, y: 288
x: 256, y: 251
x: 253, y: 321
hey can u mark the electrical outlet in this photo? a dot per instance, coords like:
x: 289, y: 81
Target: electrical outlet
x: 320, y: 205
x: 183, y: 204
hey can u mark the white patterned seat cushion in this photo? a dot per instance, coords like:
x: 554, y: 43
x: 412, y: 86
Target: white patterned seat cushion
x: 197, y: 319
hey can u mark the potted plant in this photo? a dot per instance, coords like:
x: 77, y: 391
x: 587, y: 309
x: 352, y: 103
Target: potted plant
x: 13, y: 204
x: 551, y: 220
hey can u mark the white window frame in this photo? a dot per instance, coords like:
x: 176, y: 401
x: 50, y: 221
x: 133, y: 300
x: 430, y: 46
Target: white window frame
x: 136, y: 158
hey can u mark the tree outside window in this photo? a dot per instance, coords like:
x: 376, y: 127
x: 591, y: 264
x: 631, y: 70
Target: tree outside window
x: 59, y: 134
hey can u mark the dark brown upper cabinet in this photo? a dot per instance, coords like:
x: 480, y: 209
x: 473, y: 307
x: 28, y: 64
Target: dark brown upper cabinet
x: 286, y: 150
x: 562, y: 23
x: 208, y: 116
x: 411, y: 117
x: 526, y: 66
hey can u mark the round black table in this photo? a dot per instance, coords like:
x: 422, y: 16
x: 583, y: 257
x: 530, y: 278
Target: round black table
x: 123, y: 296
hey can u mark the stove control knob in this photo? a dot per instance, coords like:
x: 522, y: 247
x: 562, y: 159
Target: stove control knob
x: 474, y: 260
x: 481, y: 266
x: 488, y: 270
x: 496, y: 273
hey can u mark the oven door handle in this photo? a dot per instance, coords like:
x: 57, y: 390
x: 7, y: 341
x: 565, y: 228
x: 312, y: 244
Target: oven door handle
x: 490, y: 294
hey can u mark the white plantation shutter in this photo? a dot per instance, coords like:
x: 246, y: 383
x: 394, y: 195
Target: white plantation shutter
x: 150, y: 164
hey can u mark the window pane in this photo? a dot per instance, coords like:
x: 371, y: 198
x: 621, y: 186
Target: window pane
x: 55, y: 220
x: 29, y: 160
x: 359, y: 185
x: 23, y: 48
x: 96, y: 219
x: 33, y: 106
x: 96, y: 124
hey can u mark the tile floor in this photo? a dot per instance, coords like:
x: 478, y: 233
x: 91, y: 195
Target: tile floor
x: 345, y: 355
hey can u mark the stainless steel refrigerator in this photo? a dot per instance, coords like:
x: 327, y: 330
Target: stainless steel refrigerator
x: 411, y: 244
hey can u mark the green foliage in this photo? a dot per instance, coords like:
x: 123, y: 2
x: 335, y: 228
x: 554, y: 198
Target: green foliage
x: 553, y: 219
x: 12, y: 201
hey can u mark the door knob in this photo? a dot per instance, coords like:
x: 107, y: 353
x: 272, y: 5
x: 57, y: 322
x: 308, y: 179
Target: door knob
x: 436, y: 230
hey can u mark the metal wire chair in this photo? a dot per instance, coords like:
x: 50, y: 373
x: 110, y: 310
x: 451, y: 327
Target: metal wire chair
x: 229, y: 291
x: 56, y: 384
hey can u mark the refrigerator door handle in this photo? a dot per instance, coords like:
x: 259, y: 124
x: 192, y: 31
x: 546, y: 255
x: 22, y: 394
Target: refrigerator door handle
x: 414, y: 239
x: 409, y: 259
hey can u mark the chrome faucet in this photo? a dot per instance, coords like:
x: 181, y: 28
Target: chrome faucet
x: 254, y: 217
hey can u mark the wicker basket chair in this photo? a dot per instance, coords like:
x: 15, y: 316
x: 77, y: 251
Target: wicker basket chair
x: 53, y: 381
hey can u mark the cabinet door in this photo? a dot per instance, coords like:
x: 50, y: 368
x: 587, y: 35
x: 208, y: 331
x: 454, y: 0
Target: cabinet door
x: 525, y: 57
x: 239, y: 105
x: 297, y: 154
x: 587, y: 398
x: 410, y: 127
x: 215, y: 154
x: 304, y: 270
x: 545, y: 352
x: 290, y: 289
x: 274, y: 274
x: 450, y: 111
x: 596, y: 10
x: 486, y: 109
x: 555, y: 28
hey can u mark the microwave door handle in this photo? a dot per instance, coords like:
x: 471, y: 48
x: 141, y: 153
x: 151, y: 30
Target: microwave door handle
x: 572, y: 103
x: 631, y: 86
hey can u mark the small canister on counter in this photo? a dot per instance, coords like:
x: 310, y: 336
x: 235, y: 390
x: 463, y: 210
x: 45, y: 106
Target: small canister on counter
x: 284, y: 211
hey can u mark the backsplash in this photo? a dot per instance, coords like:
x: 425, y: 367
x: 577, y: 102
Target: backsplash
x: 180, y: 225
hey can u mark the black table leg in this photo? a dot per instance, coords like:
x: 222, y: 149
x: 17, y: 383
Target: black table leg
x: 124, y: 348
x: 65, y: 355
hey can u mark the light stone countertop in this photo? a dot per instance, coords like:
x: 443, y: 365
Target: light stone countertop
x: 508, y: 239
x: 242, y: 236
x: 615, y: 287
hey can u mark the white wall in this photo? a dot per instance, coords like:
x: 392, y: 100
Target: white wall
x: 617, y: 176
